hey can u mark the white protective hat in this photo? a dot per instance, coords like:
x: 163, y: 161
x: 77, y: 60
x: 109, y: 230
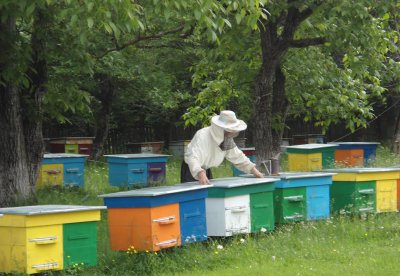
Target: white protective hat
x: 228, y: 121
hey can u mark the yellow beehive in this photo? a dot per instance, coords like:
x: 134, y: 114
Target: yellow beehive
x: 31, y: 237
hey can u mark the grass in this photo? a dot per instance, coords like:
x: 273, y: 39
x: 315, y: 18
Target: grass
x: 340, y: 246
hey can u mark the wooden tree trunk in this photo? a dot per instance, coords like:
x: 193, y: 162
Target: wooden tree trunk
x: 14, y: 171
x: 280, y: 108
x: 270, y: 108
x: 33, y: 96
x: 270, y: 104
x: 21, y: 141
x: 263, y: 137
x: 106, y: 90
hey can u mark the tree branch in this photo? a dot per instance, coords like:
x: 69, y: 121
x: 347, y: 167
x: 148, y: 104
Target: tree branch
x: 140, y: 38
x: 302, y: 43
x: 280, y: 19
x: 295, y: 17
x: 304, y: 14
x: 173, y: 45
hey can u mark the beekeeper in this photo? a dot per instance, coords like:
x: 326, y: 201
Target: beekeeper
x: 209, y: 147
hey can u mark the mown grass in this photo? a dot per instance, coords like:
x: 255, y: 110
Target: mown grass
x: 340, y: 246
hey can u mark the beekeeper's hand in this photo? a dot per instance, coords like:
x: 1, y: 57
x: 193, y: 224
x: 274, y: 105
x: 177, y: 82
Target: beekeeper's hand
x: 256, y: 173
x: 203, y: 179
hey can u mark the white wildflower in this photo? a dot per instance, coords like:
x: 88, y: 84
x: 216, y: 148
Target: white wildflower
x: 263, y: 230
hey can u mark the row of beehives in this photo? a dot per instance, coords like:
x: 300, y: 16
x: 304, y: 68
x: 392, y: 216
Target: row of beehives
x: 146, y: 169
x: 245, y: 205
x: 34, y: 239
x: 125, y: 170
x: 84, y: 145
x: 311, y: 157
x: 346, y: 153
x: 71, y: 145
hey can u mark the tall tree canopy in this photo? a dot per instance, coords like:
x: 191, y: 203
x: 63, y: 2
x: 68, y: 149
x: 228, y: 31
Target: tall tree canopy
x: 322, y: 60
x: 43, y: 41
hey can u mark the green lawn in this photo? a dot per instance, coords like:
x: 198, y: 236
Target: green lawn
x: 339, y: 246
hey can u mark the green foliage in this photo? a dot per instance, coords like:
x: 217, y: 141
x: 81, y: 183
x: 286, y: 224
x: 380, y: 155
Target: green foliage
x: 219, y: 93
x: 343, y: 80
x: 224, y: 76
x: 157, y: 89
x: 321, y: 91
x: 82, y: 34
x: 339, y: 81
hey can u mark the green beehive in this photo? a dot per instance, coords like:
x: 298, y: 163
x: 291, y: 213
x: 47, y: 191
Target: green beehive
x: 328, y: 157
x: 290, y: 205
x: 353, y: 197
x: 262, y: 211
x: 71, y: 148
x: 80, y: 244
x: 310, y: 153
x: 357, y: 190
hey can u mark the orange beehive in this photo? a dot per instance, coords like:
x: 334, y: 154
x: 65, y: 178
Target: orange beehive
x: 152, y: 228
x: 350, y: 157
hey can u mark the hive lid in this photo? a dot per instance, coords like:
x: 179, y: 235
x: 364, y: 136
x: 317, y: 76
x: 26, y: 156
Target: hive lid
x: 145, y: 143
x: 47, y: 209
x: 233, y: 182
x: 361, y: 170
x: 71, y: 138
x: 294, y: 175
x: 253, y: 148
x: 355, y: 143
x: 311, y: 146
x: 158, y: 191
x: 137, y: 155
x: 63, y: 155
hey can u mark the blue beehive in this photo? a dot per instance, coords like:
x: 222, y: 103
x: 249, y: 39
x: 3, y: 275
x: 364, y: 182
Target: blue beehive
x: 72, y: 167
x: 316, y: 185
x: 190, y: 198
x: 192, y: 212
x: 136, y: 170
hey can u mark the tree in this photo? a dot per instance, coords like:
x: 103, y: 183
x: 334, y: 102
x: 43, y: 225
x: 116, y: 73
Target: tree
x: 338, y: 80
x: 22, y: 85
x: 116, y: 61
x: 359, y: 69
x: 34, y: 35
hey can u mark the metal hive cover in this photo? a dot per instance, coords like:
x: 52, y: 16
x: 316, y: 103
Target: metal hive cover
x: 63, y: 155
x: 312, y: 146
x: 47, y: 209
x: 253, y: 148
x: 293, y: 175
x: 232, y: 182
x: 137, y: 155
x: 362, y: 170
x: 158, y: 191
x: 355, y: 143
